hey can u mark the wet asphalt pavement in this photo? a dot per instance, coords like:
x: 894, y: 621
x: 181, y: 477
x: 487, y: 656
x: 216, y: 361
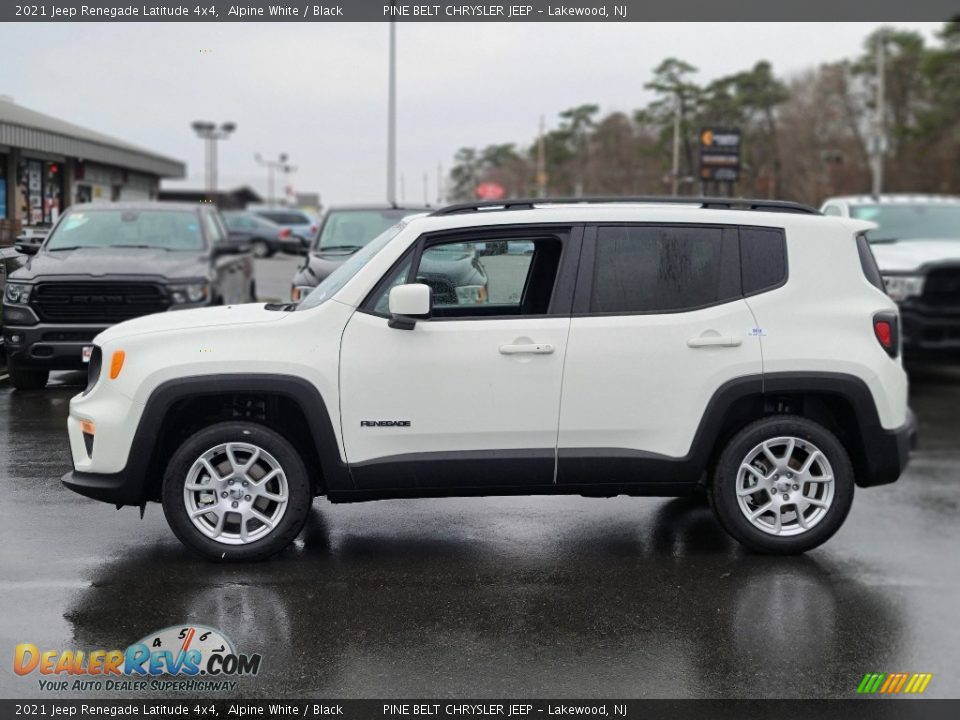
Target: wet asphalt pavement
x: 499, y: 597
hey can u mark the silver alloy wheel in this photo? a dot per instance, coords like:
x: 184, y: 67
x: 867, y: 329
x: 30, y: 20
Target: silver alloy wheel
x: 785, y: 486
x: 236, y: 493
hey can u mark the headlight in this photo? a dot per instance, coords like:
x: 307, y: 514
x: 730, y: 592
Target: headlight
x: 17, y: 293
x: 189, y: 293
x: 901, y: 287
x: 299, y: 292
x: 471, y: 295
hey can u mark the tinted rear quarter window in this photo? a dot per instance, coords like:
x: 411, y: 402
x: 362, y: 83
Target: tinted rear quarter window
x: 763, y: 259
x: 663, y: 268
x: 869, y: 263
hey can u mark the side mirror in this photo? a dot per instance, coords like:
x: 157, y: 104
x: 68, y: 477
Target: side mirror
x: 235, y: 244
x: 29, y: 247
x: 409, y: 303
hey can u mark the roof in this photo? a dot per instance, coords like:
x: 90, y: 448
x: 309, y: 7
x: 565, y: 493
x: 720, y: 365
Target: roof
x: 31, y: 130
x: 628, y: 212
x: 895, y: 198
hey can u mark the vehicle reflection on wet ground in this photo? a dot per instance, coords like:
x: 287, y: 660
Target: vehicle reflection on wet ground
x: 500, y: 597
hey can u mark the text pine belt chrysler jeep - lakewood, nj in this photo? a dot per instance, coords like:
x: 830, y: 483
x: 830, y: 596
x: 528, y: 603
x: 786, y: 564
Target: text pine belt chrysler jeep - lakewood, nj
x: 633, y: 347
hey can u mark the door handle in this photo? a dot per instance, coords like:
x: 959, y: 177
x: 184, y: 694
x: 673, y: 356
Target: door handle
x: 532, y: 349
x: 714, y: 341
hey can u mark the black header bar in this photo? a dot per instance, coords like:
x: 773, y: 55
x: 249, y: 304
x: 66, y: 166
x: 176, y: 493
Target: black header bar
x: 478, y: 11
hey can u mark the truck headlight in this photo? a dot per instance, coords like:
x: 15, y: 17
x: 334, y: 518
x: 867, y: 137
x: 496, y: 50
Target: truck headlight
x: 189, y: 293
x: 299, y: 292
x: 17, y: 293
x: 471, y: 295
x: 901, y: 287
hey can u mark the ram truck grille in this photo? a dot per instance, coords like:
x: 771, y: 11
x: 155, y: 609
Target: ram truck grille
x: 97, y: 302
x: 942, y: 288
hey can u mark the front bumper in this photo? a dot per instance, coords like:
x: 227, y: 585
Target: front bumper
x: 50, y: 346
x: 929, y: 331
x: 113, y: 488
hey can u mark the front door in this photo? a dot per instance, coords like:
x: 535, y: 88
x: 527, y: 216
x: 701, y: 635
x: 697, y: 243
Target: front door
x: 471, y: 397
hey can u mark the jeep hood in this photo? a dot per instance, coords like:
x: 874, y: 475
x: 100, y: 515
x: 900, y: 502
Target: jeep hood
x: 910, y: 255
x: 100, y: 262
x: 174, y: 320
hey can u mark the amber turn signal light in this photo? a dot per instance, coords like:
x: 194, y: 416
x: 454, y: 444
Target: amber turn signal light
x: 116, y: 363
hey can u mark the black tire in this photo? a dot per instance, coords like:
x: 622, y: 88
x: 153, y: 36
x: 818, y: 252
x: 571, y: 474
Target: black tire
x: 298, y: 485
x: 28, y: 378
x: 723, y: 488
x: 261, y: 248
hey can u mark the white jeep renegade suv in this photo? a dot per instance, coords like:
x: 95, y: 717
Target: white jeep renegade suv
x: 644, y: 347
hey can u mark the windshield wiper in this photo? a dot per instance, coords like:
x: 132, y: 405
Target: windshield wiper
x: 883, y: 241
x: 340, y: 247
x: 142, y: 247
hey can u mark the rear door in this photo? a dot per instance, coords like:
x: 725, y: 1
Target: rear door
x: 659, y: 325
x: 470, y: 397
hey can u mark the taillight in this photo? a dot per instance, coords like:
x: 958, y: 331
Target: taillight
x: 284, y: 232
x: 886, y: 328
x: 313, y: 229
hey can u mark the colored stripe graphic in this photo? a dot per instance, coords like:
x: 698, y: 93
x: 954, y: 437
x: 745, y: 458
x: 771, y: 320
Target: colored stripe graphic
x: 894, y: 683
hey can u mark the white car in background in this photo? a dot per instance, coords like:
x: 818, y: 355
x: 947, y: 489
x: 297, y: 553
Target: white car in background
x: 917, y: 247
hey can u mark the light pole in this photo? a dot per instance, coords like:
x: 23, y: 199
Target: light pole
x: 210, y: 133
x: 879, y: 139
x: 272, y: 166
x: 392, y: 118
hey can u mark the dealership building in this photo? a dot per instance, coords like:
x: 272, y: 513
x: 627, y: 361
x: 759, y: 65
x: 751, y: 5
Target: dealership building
x: 47, y: 164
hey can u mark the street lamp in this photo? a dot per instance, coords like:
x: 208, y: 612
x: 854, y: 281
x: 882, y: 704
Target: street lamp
x: 272, y: 166
x: 209, y: 132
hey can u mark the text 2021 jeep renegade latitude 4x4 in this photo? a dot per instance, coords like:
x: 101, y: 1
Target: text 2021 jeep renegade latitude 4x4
x: 639, y: 348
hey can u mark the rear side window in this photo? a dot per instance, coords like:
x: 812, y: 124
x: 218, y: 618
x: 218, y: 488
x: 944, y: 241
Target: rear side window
x: 663, y: 268
x: 763, y: 259
x: 869, y: 263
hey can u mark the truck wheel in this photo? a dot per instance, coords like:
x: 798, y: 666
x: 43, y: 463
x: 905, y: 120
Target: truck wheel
x: 236, y: 491
x: 783, y: 485
x: 28, y: 378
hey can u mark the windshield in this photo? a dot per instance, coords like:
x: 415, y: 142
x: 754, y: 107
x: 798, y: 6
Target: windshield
x: 164, y: 229
x: 352, y: 229
x: 343, y: 274
x: 921, y: 221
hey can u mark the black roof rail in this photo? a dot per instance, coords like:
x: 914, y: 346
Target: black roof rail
x: 714, y: 203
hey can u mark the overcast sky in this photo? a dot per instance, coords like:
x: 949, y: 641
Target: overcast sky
x: 318, y: 91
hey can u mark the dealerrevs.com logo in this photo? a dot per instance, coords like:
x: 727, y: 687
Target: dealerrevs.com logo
x: 178, y: 658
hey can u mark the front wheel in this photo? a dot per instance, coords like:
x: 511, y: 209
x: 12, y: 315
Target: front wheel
x: 783, y: 485
x: 236, y: 491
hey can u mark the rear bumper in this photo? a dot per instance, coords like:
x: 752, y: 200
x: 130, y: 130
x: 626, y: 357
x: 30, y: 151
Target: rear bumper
x: 888, y: 452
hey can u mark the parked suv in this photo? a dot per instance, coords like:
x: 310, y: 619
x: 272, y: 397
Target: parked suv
x: 342, y: 232
x: 654, y: 349
x: 109, y: 262
x: 917, y: 247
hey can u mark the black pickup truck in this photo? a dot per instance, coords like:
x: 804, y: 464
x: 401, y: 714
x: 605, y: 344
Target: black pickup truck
x: 108, y: 262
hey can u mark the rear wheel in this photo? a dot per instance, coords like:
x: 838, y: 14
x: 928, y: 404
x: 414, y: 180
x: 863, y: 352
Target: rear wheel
x: 28, y: 378
x: 236, y: 491
x: 260, y: 248
x: 783, y: 485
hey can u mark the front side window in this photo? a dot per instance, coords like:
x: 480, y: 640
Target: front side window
x: 112, y: 228
x: 663, y: 269
x: 470, y: 278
